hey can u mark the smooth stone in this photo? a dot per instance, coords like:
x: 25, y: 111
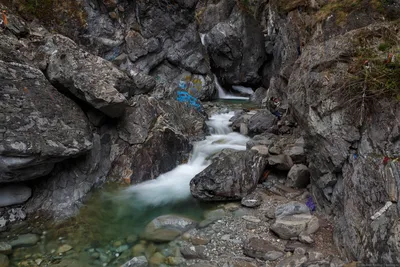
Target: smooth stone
x: 294, y: 225
x: 138, y: 250
x: 131, y: 239
x: 167, y: 228
x: 25, y: 241
x: 199, y: 240
x: 4, y: 262
x: 64, y: 248
x: 14, y: 194
x: 5, y: 248
x: 251, y: 219
x: 251, y: 201
x: 193, y: 252
x: 137, y: 262
x: 157, y: 258
x: 175, y: 261
x: 261, y: 149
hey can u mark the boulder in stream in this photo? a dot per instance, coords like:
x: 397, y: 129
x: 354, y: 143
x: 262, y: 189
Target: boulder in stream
x: 229, y: 178
x: 167, y: 228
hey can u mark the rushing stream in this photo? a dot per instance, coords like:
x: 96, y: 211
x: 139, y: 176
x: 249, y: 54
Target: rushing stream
x: 117, y: 215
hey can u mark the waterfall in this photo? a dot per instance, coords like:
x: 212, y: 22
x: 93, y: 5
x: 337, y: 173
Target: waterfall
x: 223, y: 95
x: 174, y: 186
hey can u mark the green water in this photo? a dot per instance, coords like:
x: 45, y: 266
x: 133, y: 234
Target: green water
x: 105, y: 219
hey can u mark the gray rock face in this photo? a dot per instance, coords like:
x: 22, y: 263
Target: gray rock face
x: 24, y: 241
x: 261, y: 122
x: 14, y: 194
x: 167, y: 228
x: 38, y: 125
x: 229, y: 178
x: 140, y: 261
x: 236, y: 48
x: 298, y: 176
x: 88, y: 77
x: 261, y: 249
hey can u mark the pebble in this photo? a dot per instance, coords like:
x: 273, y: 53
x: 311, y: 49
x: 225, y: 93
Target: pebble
x: 138, y: 250
x: 251, y: 219
x: 64, y: 248
x: 38, y: 261
x: 157, y: 258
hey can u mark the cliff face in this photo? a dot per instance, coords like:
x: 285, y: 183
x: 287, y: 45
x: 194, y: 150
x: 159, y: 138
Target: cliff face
x: 129, y: 56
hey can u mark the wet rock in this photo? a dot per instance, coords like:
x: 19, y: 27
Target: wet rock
x: 298, y: 176
x: 138, y: 250
x: 88, y: 77
x: 167, y: 228
x: 291, y: 208
x: 261, y: 249
x: 261, y: 122
x: 131, y: 239
x: 157, y: 258
x: 280, y: 162
x: 5, y: 248
x: 26, y: 240
x: 292, y: 226
x: 14, y: 194
x: 193, y: 252
x: 212, y: 216
x: 137, y: 262
x: 253, y: 200
x: 64, y: 248
x: 175, y: 261
x: 229, y: 178
x: 4, y: 262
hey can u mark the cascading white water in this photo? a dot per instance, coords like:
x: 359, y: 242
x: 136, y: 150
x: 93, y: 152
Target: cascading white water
x: 223, y: 95
x: 243, y: 90
x: 174, y: 186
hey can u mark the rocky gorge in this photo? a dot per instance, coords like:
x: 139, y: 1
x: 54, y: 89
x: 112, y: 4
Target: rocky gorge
x: 89, y: 99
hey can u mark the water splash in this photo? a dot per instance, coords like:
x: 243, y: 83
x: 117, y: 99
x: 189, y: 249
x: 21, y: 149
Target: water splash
x: 173, y: 186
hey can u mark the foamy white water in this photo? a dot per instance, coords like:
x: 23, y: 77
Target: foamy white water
x: 243, y: 90
x: 223, y: 95
x: 174, y: 185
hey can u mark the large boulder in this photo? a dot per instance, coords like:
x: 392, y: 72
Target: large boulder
x: 38, y: 125
x: 229, y: 178
x: 261, y: 122
x: 88, y: 77
x: 167, y: 227
x: 298, y: 176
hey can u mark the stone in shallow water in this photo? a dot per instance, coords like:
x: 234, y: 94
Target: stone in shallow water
x: 157, y: 258
x: 64, y: 248
x: 167, y: 228
x: 25, y: 241
x: 5, y: 248
x: 137, y: 262
x: 4, y: 262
